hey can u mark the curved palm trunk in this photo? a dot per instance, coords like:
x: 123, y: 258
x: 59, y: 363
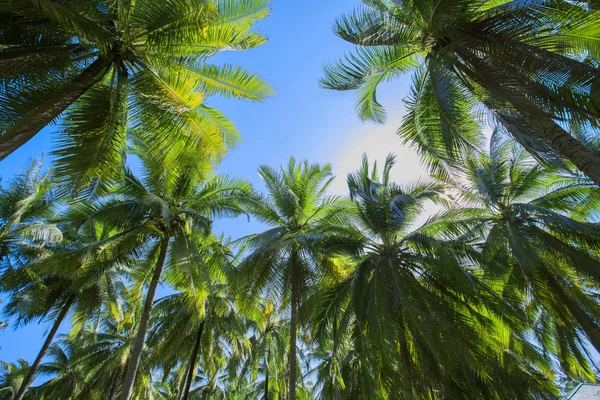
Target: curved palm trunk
x: 192, y: 363
x: 25, y: 129
x: 293, y: 326
x: 586, y: 160
x: 568, y: 147
x: 38, y: 360
x: 136, y: 352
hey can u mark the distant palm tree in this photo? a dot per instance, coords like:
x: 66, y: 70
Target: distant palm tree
x: 71, y: 279
x: 533, y: 65
x: 414, y: 317
x: 66, y: 376
x: 536, y: 243
x: 118, y: 67
x: 156, y: 217
x: 101, y: 352
x: 184, y: 331
x: 266, y: 358
x: 285, y: 259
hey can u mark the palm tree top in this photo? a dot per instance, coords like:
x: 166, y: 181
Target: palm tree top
x: 386, y: 211
x: 295, y: 194
x: 522, y: 65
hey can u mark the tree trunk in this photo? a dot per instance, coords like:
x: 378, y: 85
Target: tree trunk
x: 293, y: 325
x: 136, y: 352
x: 586, y: 160
x: 267, y: 373
x: 337, y: 393
x: 183, y: 383
x: 26, y: 128
x: 192, y: 370
x: 38, y: 360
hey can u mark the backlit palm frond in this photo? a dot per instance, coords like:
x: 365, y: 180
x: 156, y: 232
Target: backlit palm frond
x: 364, y: 70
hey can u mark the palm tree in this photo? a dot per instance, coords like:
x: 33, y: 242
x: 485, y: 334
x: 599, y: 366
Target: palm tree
x: 101, y: 352
x: 66, y: 376
x: 533, y: 66
x: 185, y: 332
x: 268, y: 347
x: 526, y: 220
x: 71, y: 279
x: 91, y: 362
x: 26, y: 204
x: 119, y: 66
x: 11, y: 377
x: 156, y: 217
x: 412, y: 298
x: 285, y: 260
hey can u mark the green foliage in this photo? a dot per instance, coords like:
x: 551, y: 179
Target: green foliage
x: 531, y: 67
x: 154, y: 77
x: 363, y: 303
x: 494, y: 296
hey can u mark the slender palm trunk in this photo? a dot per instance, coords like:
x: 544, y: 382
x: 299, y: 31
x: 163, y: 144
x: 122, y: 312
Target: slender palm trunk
x: 38, y: 360
x: 267, y: 373
x: 136, y: 352
x: 336, y: 386
x: 293, y: 326
x: 183, y: 383
x: 193, y: 359
x: 25, y: 129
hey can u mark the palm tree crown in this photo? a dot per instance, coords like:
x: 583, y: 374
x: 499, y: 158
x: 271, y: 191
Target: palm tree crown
x: 410, y: 298
x: 121, y: 68
x: 286, y: 259
x: 526, y: 219
x: 533, y: 65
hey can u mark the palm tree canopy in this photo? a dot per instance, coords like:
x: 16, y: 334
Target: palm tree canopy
x: 529, y: 64
x: 27, y: 204
x: 527, y: 221
x: 297, y: 211
x: 133, y: 66
x: 410, y: 298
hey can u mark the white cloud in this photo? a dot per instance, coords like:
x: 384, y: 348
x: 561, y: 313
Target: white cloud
x: 376, y: 141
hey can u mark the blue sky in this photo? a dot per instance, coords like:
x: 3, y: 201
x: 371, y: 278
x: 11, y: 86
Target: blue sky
x: 300, y: 120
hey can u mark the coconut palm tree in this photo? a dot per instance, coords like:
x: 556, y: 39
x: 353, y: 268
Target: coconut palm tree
x: 26, y: 204
x: 76, y: 277
x: 263, y: 367
x: 90, y: 363
x: 102, y: 351
x: 120, y: 66
x: 187, y: 333
x: 285, y: 260
x: 410, y: 299
x: 11, y: 377
x: 156, y: 218
x: 66, y: 376
x: 532, y: 65
x: 527, y: 221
